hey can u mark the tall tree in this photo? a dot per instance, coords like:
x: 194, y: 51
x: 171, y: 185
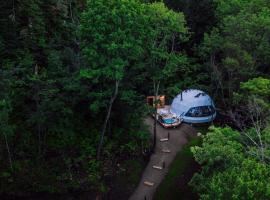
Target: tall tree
x: 126, y: 39
x: 236, y: 49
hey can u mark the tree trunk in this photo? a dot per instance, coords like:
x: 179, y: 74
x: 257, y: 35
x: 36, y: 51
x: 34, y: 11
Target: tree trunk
x: 156, y: 89
x: 107, y: 119
x: 155, y: 131
x: 37, y: 101
x: 8, y: 150
x: 217, y: 79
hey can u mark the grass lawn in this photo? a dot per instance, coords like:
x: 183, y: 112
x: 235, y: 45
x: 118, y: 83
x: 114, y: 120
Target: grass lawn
x: 175, y: 184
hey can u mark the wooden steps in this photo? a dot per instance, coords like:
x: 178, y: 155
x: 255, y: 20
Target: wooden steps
x: 166, y: 151
x: 157, y: 167
x: 148, y: 183
x: 163, y: 139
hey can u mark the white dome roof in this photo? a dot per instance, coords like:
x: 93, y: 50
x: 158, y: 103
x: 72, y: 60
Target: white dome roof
x: 190, y: 98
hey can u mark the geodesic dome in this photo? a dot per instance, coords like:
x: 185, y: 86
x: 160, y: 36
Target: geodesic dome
x: 194, y: 106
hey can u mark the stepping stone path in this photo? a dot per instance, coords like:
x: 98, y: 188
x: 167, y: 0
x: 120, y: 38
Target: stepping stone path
x: 164, y: 140
x: 148, y: 183
x: 166, y: 149
x: 157, y: 167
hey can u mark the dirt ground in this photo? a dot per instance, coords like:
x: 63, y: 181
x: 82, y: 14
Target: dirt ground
x: 178, y: 138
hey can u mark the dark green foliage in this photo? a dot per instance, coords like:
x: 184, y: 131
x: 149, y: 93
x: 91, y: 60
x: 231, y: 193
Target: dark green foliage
x: 42, y: 139
x: 128, y: 41
x: 236, y: 165
x: 62, y: 61
x: 200, y: 16
x: 237, y: 48
x: 54, y: 100
x: 229, y: 170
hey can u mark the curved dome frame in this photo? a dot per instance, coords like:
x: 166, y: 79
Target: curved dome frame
x: 193, y: 106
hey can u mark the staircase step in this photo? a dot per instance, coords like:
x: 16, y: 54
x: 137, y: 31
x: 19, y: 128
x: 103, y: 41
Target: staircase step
x: 163, y: 139
x: 148, y: 183
x: 157, y: 167
x: 166, y: 151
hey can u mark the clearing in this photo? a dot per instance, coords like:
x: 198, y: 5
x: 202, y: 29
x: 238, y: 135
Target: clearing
x: 152, y: 177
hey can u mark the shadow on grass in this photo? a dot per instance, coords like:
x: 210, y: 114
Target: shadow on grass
x: 175, y: 184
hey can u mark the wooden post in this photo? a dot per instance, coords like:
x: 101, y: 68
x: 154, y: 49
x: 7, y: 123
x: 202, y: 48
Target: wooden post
x: 156, y: 89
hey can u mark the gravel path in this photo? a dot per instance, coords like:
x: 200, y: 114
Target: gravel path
x: 178, y: 138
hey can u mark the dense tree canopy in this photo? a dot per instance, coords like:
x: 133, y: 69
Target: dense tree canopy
x: 66, y: 69
x: 230, y: 170
x: 235, y: 164
x: 74, y: 75
x: 237, y: 49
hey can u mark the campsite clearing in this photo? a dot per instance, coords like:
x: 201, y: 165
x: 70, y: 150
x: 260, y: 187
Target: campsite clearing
x: 178, y: 138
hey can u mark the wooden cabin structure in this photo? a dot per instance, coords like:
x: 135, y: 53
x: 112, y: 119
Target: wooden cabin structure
x: 151, y: 101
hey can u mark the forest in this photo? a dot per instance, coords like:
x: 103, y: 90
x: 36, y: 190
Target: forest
x: 74, y: 76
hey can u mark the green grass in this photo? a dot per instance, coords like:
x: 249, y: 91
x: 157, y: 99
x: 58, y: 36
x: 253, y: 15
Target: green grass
x: 169, y: 188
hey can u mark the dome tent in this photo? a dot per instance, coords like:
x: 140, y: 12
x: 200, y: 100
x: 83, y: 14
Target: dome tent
x: 193, y: 106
